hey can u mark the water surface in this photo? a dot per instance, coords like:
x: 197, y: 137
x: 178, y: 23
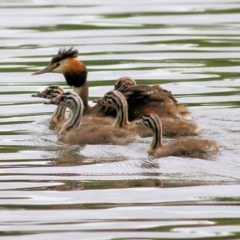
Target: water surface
x: 53, y: 191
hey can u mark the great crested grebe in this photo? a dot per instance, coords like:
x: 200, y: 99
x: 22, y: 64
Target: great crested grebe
x: 74, y: 132
x: 58, y: 117
x: 75, y: 73
x: 140, y: 101
x: 189, y: 147
x: 171, y: 127
x: 144, y: 99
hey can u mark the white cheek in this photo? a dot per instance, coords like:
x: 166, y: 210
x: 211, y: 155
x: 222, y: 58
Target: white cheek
x: 57, y: 69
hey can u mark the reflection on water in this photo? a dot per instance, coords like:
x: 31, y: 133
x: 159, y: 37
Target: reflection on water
x: 50, y: 190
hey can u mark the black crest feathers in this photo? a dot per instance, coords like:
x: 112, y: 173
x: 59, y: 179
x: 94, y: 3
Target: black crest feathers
x: 64, y: 53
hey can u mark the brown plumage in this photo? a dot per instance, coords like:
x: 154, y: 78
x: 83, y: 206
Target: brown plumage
x: 141, y: 99
x: 115, y: 100
x: 73, y: 132
x: 189, y: 147
x: 50, y: 92
x: 172, y: 127
x: 180, y: 127
x: 58, y: 117
x: 144, y: 99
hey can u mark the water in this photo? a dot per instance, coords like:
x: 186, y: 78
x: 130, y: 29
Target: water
x: 52, y: 191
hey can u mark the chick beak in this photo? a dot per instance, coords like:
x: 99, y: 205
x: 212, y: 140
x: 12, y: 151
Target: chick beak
x: 40, y: 95
x: 99, y: 101
x: 44, y: 70
x: 54, y: 101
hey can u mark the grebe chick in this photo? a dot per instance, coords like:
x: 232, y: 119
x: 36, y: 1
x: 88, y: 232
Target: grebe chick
x: 115, y: 99
x: 172, y: 127
x: 58, y: 117
x: 123, y: 83
x: 143, y: 99
x: 50, y: 92
x: 189, y: 147
x: 74, y: 132
x: 75, y: 73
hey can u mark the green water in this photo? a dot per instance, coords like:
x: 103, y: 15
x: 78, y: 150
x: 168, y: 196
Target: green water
x: 49, y: 190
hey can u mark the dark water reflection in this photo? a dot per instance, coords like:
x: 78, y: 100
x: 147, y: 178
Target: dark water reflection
x: 51, y: 191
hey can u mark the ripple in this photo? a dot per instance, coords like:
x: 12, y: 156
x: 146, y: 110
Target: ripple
x: 51, y: 190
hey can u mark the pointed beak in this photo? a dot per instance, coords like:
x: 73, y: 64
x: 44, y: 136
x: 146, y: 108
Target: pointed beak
x: 44, y: 70
x: 55, y: 101
x: 52, y: 101
x: 99, y: 101
x: 40, y: 95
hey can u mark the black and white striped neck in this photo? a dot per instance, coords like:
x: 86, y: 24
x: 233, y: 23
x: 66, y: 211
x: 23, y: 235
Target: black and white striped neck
x: 75, y: 103
x: 155, y: 124
x: 120, y: 104
x: 59, y: 113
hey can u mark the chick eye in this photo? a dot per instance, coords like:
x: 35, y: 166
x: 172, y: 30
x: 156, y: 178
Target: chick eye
x: 58, y: 64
